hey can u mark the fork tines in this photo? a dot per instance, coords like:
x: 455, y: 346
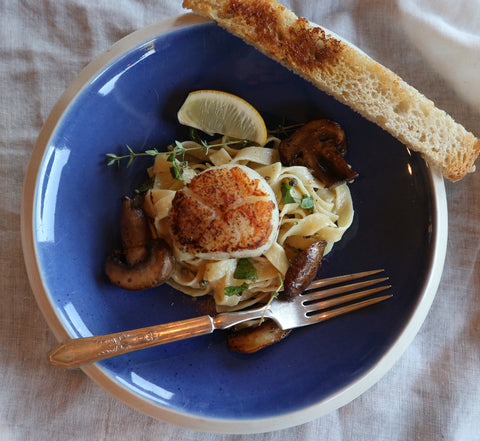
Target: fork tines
x: 319, y: 290
x: 340, y: 279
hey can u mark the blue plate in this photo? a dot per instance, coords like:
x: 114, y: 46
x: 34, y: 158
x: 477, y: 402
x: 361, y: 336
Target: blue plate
x: 130, y: 96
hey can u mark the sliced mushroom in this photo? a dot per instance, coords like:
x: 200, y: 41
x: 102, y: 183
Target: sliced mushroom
x: 303, y: 269
x: 320, y: 146
x: 154, y: 270
x: 254, y: 338
x: 134, y: 229
x: 299, y: 275
x: 143, y: 262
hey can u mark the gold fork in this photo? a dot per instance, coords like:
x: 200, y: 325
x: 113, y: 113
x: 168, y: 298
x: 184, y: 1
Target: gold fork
x: 316, y: 304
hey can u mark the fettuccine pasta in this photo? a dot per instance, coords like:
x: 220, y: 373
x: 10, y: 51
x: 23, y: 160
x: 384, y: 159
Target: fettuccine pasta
x: 328, y: 217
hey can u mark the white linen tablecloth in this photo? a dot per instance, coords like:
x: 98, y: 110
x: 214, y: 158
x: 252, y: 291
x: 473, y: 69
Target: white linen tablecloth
x: 432, y: 392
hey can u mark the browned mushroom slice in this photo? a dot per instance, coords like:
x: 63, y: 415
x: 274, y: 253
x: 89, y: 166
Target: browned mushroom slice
x: 299, y: 275
x: 254, y: 338
x: 143, y: 262
x: 319, y: 145
x: 134, y: 229
x: 303, y: 269
x: 154, y: 270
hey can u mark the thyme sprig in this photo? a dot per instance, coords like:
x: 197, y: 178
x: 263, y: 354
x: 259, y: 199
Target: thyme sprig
x: 115, y: 159
x: 175, y: 154
x: 283, y: 130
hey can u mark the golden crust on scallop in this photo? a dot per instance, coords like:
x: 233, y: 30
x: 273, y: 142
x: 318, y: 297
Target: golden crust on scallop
x: 224, y: 212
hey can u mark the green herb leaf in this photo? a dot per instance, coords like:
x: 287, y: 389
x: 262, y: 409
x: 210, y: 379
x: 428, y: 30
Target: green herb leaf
x: 307, y: 202
x: 194, y: 136
x: 179, y: 148
x: 286, y: 193
x: 236, y: 289
x: 245, y: 270
x: 176, y: 170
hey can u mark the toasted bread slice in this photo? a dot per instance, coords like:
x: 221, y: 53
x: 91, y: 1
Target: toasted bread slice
x: 351, y: 76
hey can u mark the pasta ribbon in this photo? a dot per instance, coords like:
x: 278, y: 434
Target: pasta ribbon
x: 329, y: 217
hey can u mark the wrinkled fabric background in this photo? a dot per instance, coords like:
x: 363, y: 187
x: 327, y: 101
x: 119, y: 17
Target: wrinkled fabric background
x: 432, y: 393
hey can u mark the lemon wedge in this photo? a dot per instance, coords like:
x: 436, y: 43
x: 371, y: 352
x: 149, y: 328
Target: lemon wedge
x: 213, y: 111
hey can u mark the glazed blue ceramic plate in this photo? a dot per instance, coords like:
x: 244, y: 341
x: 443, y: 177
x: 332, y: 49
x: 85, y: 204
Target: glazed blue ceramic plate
x: 130, y: 96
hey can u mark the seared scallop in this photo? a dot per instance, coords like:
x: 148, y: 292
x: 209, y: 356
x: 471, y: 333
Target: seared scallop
x: 224, y: 212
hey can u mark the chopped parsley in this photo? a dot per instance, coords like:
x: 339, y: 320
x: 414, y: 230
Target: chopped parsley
x: 306, y: 202
x: 235, y: 289
x: 245, y: 270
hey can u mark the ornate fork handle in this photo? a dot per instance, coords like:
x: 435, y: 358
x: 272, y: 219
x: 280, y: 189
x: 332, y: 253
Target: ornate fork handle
x: 77, y: 352
x: 315, y: 305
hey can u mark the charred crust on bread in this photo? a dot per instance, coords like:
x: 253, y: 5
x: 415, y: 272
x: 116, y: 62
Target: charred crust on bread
x: 350, y: 76
x: 300, y: 44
